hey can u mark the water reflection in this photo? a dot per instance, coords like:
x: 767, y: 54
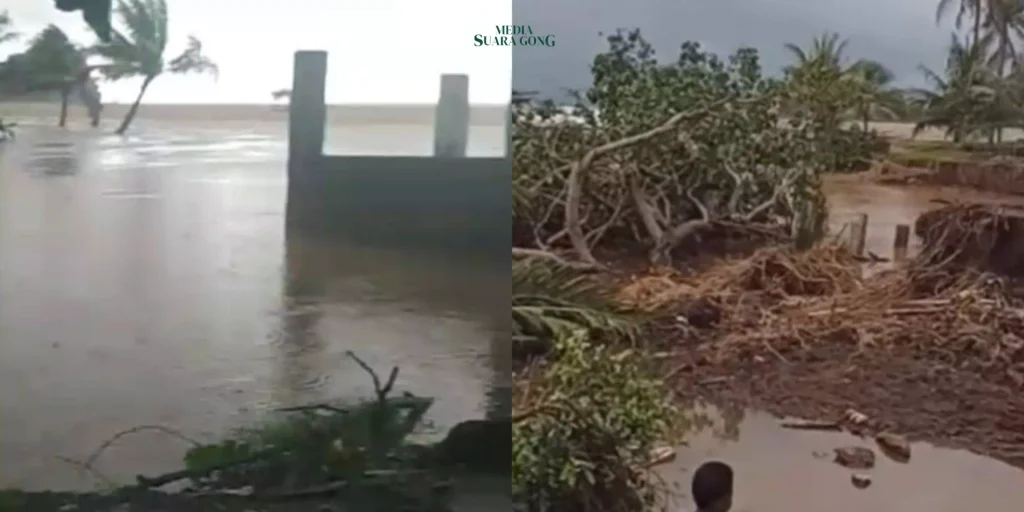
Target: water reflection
x: 300, y: 342
x: 781, y: 469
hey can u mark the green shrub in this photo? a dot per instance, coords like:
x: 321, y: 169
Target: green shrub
x: 585, y: 444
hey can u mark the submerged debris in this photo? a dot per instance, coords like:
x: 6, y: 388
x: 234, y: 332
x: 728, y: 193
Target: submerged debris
x: 812, y: 425
x: 855, y: 457
x: 860, y: 480
x: 894, y: 446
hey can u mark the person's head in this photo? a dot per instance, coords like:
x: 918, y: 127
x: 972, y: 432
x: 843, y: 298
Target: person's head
x: 712, y: 487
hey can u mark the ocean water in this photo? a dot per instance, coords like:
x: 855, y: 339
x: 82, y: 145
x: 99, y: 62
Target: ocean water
x: 148, y: 279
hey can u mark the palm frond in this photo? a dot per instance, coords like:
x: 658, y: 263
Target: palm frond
x: 192, y: 60
x: 137, y: 45
x: 551, y: 301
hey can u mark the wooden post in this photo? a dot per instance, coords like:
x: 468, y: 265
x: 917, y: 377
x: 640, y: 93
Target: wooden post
x: 307, y: 115
x: 901, y: 242
x: 451, y: 118
x: 858, y: 234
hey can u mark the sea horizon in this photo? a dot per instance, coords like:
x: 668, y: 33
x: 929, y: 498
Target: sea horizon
x: 344, y: 113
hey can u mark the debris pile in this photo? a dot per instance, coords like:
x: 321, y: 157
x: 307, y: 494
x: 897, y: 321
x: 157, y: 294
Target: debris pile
x: 954, y: 303
x: 976, y: 236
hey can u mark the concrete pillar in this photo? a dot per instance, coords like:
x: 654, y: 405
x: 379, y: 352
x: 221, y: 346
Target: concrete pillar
x: 307, y: 113
x: 451, y: 119
x: 508, y: 132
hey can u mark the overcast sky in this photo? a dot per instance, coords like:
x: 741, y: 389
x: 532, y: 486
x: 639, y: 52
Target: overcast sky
x: 900, y: 33
x: 381, y: 51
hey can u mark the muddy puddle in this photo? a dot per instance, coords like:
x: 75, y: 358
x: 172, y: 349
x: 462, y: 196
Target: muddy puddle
x: 779, y: 469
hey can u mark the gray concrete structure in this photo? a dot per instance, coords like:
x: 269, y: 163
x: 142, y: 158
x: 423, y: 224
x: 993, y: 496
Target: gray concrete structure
x: 445, y: 201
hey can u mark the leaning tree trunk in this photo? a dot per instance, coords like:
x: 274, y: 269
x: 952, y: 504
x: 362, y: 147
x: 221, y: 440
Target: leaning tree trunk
x: 130, y: 116
x: 65, y: 91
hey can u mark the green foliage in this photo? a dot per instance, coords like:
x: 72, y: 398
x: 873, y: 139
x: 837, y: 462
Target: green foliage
x: 51, y: 62
x: 721, y: 151
x: 588, y: 440
x: 970, y: 99
x: 551, y: 301
x: 312, y: 446
x: 823, y: 93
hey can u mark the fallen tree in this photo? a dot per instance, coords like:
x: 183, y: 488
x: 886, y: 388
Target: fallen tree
x: 660, y: 155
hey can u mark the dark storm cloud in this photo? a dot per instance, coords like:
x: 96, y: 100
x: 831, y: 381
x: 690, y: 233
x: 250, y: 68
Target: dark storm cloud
x: 899, y: 33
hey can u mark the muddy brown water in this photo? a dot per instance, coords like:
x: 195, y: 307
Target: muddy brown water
x: 149, y: 280
x: 778, y: 469
x: 888, y: 206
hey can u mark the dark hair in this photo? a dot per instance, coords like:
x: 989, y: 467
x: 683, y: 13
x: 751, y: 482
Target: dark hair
x: 711, y: 482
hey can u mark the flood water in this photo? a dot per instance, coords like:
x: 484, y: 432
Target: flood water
x: 889, y: 206
x: 149, y: 280
x: 782, y: 470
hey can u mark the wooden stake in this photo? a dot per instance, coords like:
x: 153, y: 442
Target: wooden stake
x: 901, y: 242
x: 858, y: 234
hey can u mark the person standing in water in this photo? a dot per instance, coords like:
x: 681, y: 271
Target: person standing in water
x: 711, y: 487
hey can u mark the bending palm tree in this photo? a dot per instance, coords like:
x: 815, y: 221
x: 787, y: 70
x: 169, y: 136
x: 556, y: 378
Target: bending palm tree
x: 139, y: 50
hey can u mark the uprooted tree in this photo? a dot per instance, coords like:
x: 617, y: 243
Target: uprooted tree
x: 656, y: 153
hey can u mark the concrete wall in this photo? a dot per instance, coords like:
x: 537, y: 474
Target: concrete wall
x: 448, y: 201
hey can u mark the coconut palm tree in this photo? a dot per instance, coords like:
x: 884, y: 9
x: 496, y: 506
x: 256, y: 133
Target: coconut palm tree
x: 963, y: 98
x: 138, y: 50
x: 826, y: 49
x: 877, y: 99
x: 820, y: 83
